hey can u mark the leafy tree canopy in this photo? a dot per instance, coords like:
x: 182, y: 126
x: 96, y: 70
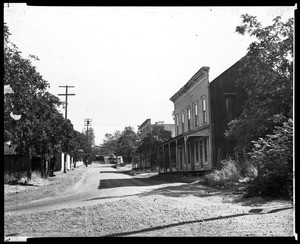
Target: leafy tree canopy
x: 109, y: 144
x: 148, y: 145
x: 41, y: 130
x: 267, y: 77
x: 127, y: 143
x: 90, y: 136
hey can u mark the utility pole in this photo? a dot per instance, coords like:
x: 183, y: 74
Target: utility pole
x: 87, y: 123
x: 66, y: 101
x: 66, y: 112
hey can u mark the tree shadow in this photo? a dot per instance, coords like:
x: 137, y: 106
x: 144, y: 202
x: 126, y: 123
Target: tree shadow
x: 251, y: 212
x: 114, y: 172
x: 137, y: 181
x: 185, y: 190
x: 188, y: 188
x: 112, y: 183
x: 253, y: 201
x: 196, y: 188
x: 14, y: 183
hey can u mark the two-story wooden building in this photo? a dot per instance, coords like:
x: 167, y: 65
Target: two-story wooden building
x: 202, y: 111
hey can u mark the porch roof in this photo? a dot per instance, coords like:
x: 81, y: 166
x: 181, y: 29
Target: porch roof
x: 202, y: 131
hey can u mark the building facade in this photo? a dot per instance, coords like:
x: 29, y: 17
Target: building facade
x: 202, y: 111
x: 146, y: 128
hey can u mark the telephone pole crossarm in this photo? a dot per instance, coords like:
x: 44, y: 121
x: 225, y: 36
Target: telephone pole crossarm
x: 87, y: 123
x: 66, y: 98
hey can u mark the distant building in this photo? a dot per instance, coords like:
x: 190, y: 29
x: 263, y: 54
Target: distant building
x: 143, y: 161
x: 202, y: 111
x: 146, y: 127
x: 112, y: 159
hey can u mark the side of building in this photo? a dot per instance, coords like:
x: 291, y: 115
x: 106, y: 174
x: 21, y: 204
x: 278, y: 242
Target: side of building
x: 226, y: 100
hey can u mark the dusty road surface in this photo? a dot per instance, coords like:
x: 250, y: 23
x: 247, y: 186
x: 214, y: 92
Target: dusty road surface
x: 105, y: 202
x: 99, y: 183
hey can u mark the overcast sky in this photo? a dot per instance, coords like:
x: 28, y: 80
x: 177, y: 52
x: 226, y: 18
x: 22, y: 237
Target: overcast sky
x: 126, y: 62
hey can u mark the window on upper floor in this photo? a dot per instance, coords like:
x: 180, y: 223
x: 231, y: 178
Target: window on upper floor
x: 189, y: 118
x: 196, y: 114
x: 182, y: 122
x: 204, y: 110
x: 177, y: 124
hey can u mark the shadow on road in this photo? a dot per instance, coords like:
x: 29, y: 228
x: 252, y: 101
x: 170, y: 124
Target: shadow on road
x: 184, y: 190
x: 138, y: 181
x: 114, y: 172
x: 197, y: 189
x: 251, y: 212
x: 192, y: 188
x: 111, y: 183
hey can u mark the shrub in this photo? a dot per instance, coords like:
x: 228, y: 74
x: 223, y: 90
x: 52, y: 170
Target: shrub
x: 228, y: 172
x: 248, y: 169
x: 21, y: 177
x: 273, y: 156
x: 15, y: 177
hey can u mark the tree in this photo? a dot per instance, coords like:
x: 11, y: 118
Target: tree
x: 148, y: 145
x: 127, y: 142
x: 273, y: 156
x: 110, y: 143
x: 80, y: 146
x: 41, y: 130
x: 267, y: 77
x: 28, y: 92
x: 90, y: 136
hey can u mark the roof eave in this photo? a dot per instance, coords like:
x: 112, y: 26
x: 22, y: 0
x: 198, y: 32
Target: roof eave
x: 186, y: 86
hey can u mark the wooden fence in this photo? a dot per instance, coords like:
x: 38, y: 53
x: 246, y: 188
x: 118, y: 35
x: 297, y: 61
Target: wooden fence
x: 15, y: 163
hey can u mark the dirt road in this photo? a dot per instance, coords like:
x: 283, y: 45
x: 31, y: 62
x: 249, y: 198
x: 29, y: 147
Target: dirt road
x: 100, y: 183
x: 105, y: 202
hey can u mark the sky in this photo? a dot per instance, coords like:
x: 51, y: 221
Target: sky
x: 126, y: 62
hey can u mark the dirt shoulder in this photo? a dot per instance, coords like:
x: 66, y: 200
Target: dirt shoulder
x: 38, y: 188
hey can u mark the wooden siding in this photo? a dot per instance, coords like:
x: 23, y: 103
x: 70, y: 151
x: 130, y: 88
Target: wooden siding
x: 221, y: 88
x: 192, y: 96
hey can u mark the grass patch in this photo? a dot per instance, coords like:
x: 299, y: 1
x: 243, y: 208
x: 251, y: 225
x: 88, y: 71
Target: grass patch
x: 226, y: 175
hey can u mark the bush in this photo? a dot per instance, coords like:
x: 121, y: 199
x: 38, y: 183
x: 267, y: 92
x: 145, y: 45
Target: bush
x: 273, y: 156
x: 15, y: 177
x: 248, y: 169
x: 229, y: 172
